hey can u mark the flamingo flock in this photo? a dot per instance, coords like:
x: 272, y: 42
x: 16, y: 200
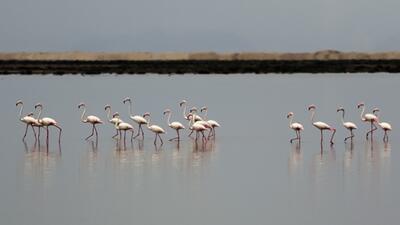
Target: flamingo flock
x: 371, y: 118
x: 195, y: 122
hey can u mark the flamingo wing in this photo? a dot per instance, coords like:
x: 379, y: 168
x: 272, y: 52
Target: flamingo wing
x: 349, y: 125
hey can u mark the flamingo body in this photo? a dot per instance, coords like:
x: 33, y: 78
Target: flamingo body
x: 296, y: 126
x: 139, y: 119
x: 93, y: 120
x: 176, y: 125
x: 385, y: 126
x: 349, y: 125
x: 321, y: 125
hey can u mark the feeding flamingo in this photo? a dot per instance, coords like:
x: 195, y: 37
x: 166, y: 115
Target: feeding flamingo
x: 157, y: 130
x: 213, y: 123
x: 371, y: 118
x: 29, y: 120
x: 90, y: 119
x: 122, y: 126
x: 140, y: 120
x: 297, y: 127
x: 348, y: 125
x: 384, y: 125
x: 174, y: 125
x: 113, y: 120
x: 46, y: 122
x: 321, y: 125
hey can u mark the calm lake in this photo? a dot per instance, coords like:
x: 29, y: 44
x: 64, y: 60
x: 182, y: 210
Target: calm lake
x: 250, y: 174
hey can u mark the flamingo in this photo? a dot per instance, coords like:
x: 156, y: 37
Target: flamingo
x: 113, y: 120
x: 384, y: 125
x: 157, y: 130
x: 186, y: 116
x: 321, y: 125
x: 297, y: 127
x: 122, y: 126
x: 196, y: 126
x: 140, y: 120
x: 348, y: 125
x: 213, y: 123
x: 90, y: 119
x: 367, y: 118
x: 46, y: 122
x: 29, y: 120
x: 174, y: 125
x: 206, y: 124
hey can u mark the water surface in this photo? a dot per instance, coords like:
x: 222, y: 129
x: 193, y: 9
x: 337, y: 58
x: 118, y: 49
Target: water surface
x: 250, y: 174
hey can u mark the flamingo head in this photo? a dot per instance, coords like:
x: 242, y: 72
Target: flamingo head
x: 116, y: 114
x: 340, y: 109
x: 166, y: 111
x: 146, y: 114
x: 81, y: 105
x: 375, y: 110
x: 311, y: 107
x: 39, y: 105
x: 127, y: 99
x: 204, y: 108
x: 193, y: 109
x: 182, y: 103
x: 361, y: 104
x: 18, y: 103
x: 107, y: 107
x: 289, y: 114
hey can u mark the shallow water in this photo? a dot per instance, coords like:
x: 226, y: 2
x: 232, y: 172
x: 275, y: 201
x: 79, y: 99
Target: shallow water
x: 250, y: 174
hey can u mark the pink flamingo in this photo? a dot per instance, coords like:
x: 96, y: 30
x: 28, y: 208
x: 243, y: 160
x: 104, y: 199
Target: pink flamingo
x: 371, y: 118
x: 384, y: 125
x: 348, y: 125
x: 157, y: 130
x: 46, y: 122
x: 90, y: 119
x: 321, y: 125
x: 122, y: 126
x: 213, y: 123
x: 174, y: 125
x: 113, y: 120
x: 140, y: 120
x: 29, y: 120
x: 297, y: 127
x: 198, y: 126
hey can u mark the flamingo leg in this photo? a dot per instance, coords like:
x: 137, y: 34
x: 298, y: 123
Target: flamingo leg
x: 333, y: 134
x: 160, y: 139
x: 140, y: 129
x: 351, y: 135
x: 95, y: 129
x: 209, y: 133
x: 59, y: 133
x: 124, y: 136
x: 34, y: 132
x: 322, y: 136
x: 204, y: 137
x: 191, y: 132
x: 115, y: 134
x: 155, y: 139
x: 131, y: 135
x: 47, y: 137
x: 177, y: 137
x: 297, y: 137
x: 26, y: 131
x: 91, y: 134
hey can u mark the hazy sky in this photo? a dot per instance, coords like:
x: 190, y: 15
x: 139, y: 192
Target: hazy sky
x: 199, y: 25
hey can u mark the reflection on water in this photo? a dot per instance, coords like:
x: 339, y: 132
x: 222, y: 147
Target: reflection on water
x: 40, y: 163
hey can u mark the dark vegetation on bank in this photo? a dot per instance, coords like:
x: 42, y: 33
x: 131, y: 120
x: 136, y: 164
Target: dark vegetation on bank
x: 60, y: 67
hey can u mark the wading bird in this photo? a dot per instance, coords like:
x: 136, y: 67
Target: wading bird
x: 384, y: 125
x: 321, y: 125
x: 196, y: 126
x: 174, y: 125
x: 213, y: 123
x: 348, y: 125
x: 140, y: 120
x: 185, y: 116
x: 297, y: 127
x: 122, y: 126
x: 90, y: 119
x: 157, y: 130
x: 29, y: 120
x: 46, y: 122
x: 113, y: 120
x: 371, y: 118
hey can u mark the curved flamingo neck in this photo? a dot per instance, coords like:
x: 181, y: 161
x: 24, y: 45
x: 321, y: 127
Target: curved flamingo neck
x: 108, y: 113
x: 148, y: 122
x: 205, y: 115
x: 290, y: 121
x: 184, y: 110
x: 130, y: 108
x: 342, y: 116
x: 20, y: 110
x: 168, y: 119
x: 312, y: 115
x: 40, y: 112
x: 83, y: 115
x: 362, y: 112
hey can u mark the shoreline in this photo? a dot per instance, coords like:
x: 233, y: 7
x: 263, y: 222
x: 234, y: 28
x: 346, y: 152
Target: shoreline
x: 328, y: 61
